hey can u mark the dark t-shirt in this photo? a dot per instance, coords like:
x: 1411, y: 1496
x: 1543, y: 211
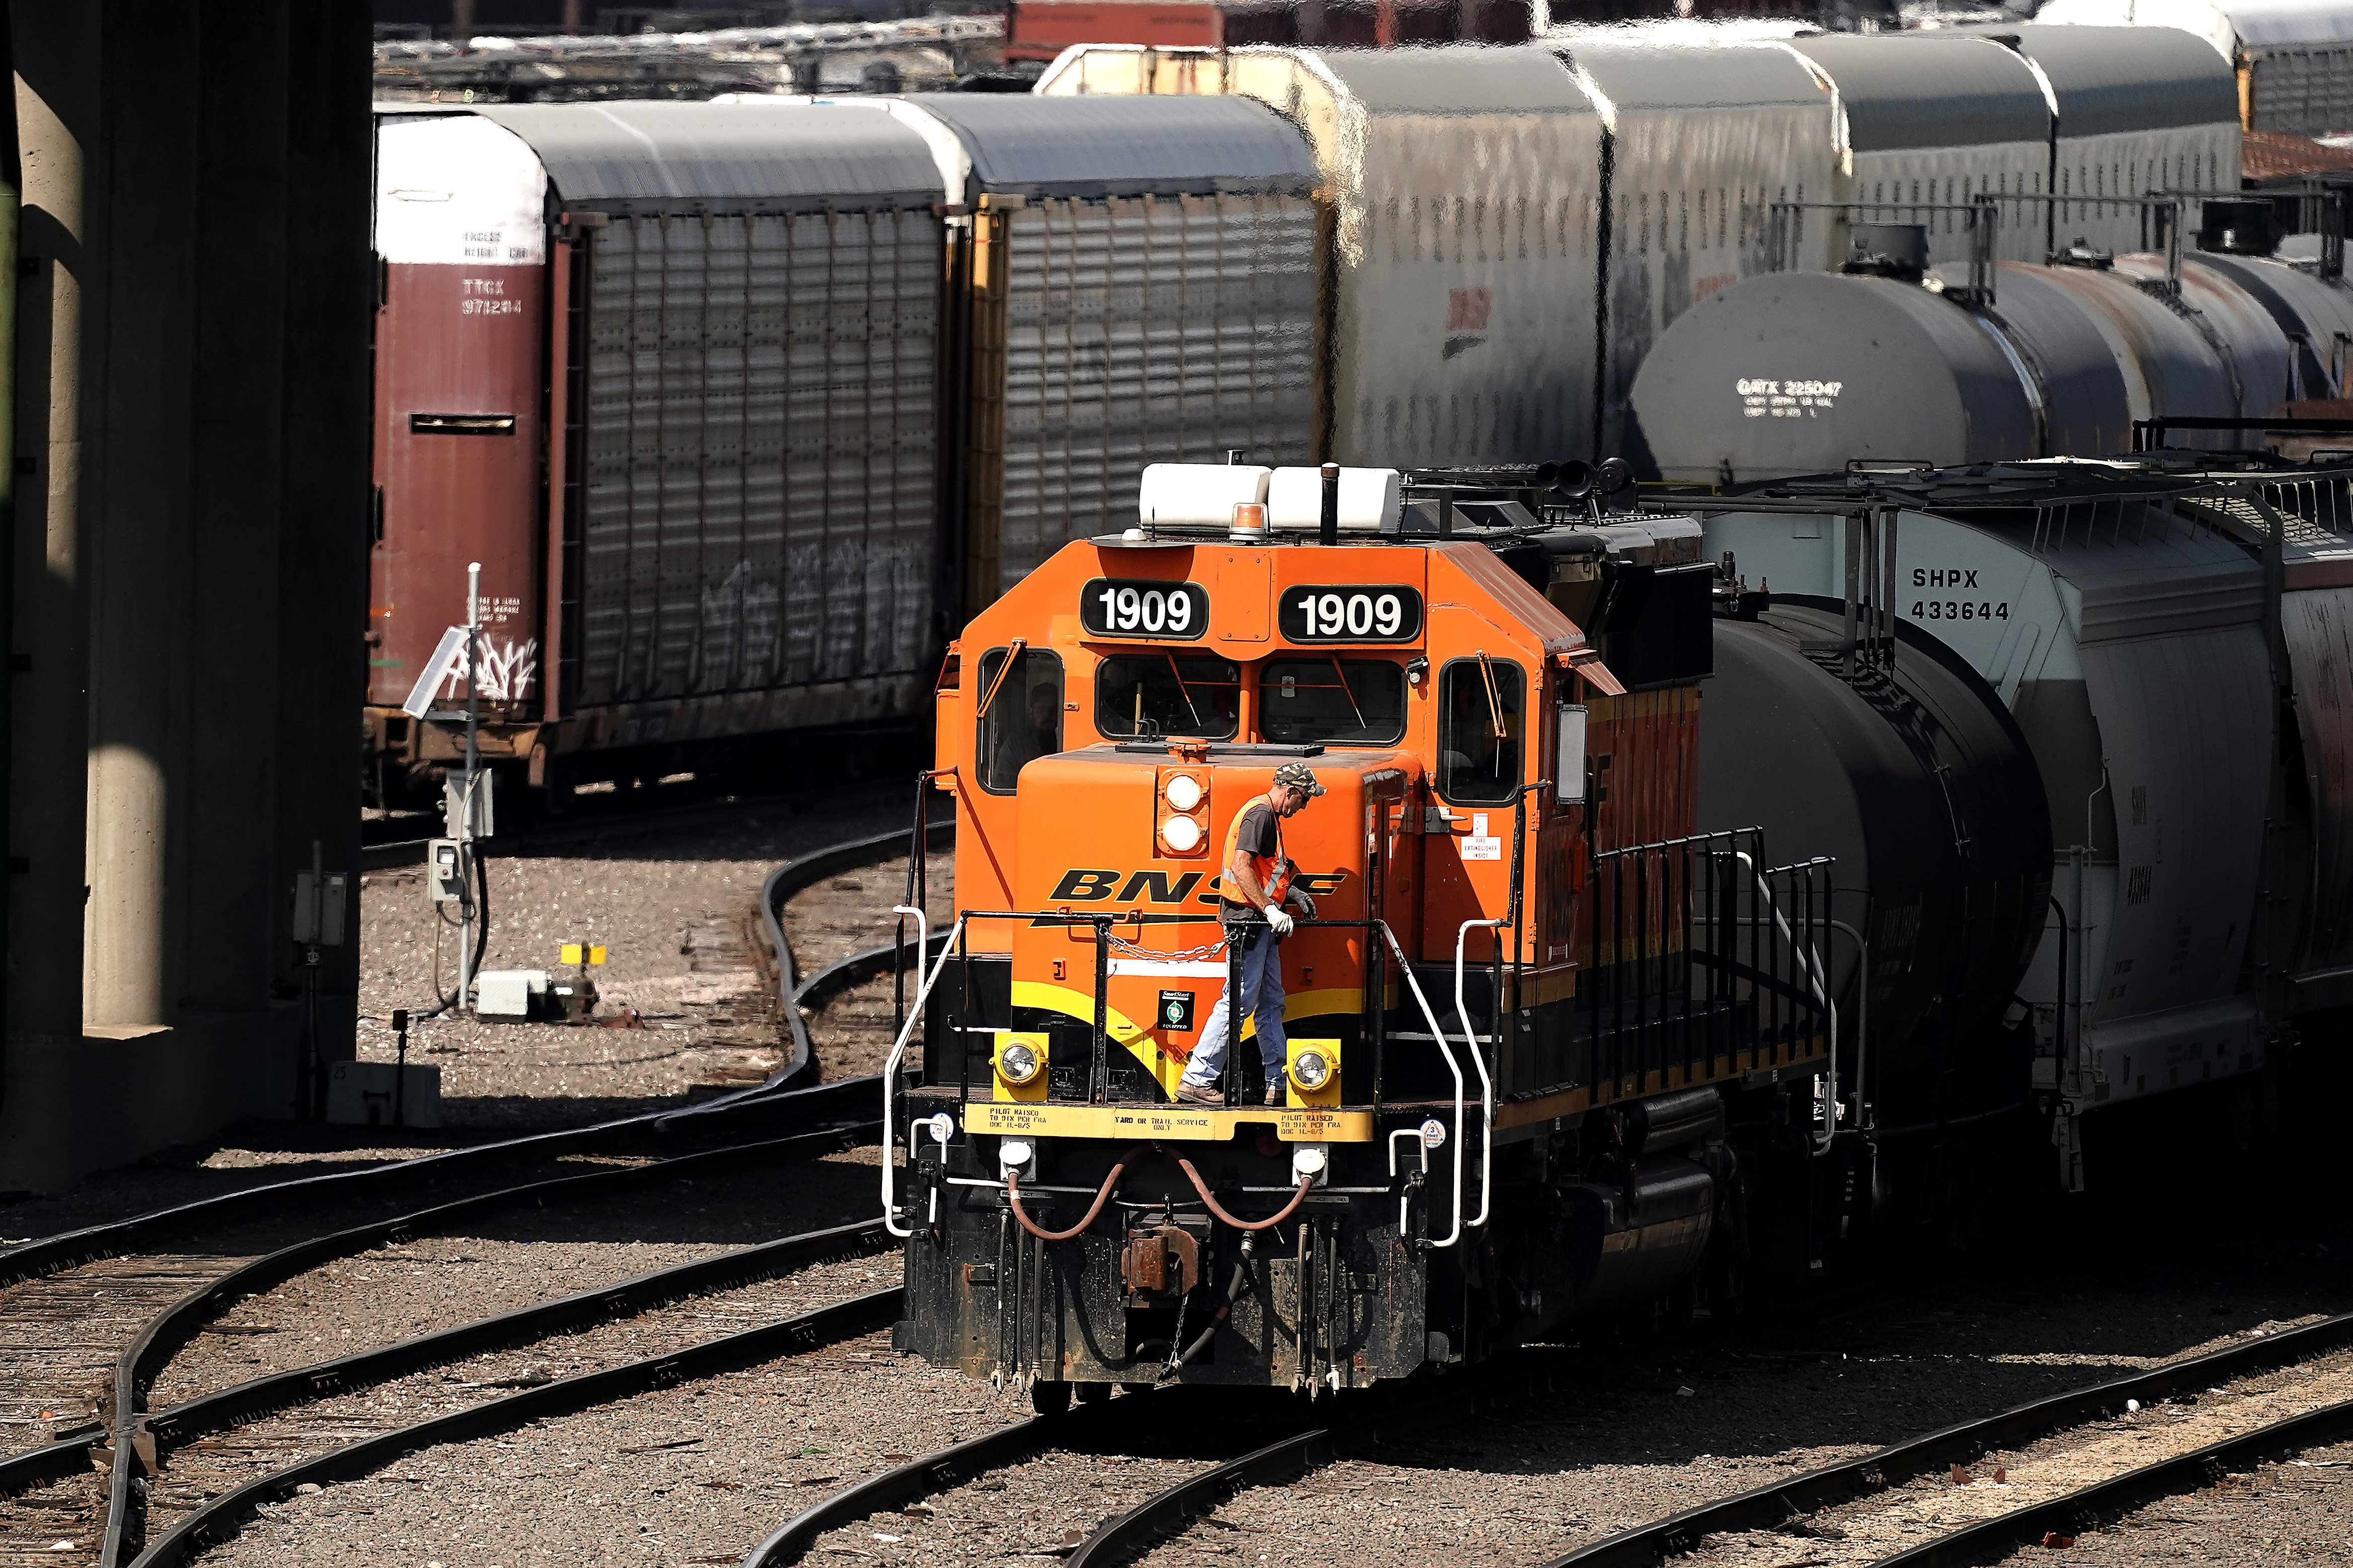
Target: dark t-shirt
x: 1258, y: 834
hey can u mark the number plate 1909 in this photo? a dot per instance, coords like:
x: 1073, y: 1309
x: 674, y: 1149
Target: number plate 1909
x: 1349, y: 612
x: 1129, y: 607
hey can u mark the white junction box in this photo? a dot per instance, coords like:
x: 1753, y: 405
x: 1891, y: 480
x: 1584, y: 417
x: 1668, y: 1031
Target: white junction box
x: 372, y: 1094
x: 510, y: 995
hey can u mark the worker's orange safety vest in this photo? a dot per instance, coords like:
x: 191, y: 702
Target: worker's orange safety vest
x: 1272, y: 871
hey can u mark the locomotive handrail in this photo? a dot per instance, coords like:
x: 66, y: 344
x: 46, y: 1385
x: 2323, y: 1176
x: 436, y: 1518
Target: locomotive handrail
x: 1805, y: 952
x: 1420, y: 1141
x: 1446, y: 1049
x: 898, y: 1051
x: 1486, y: 1084
x: 1421, y: 1000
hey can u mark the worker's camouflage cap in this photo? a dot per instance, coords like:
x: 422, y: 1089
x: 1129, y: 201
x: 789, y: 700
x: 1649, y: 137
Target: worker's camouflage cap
x: 1299, y: 776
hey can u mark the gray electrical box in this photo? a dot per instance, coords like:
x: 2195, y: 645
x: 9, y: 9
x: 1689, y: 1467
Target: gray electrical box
x: 445, y: 871
x: 319, y: 907
x: 454, y: 801
x: 381, y: 1094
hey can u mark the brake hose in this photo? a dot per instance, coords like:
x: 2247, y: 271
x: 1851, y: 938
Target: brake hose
x: 1103, y: 1197
x: 1013, y: 1196
x: 1225, y: 1309
x: 1268, y: 1224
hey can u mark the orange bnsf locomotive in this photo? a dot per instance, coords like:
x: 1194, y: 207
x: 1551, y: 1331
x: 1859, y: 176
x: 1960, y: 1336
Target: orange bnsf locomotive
x: 1524, y: 996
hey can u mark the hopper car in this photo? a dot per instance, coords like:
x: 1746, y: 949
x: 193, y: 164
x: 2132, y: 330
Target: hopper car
x: 745, y: 408
x: 1697, y: 890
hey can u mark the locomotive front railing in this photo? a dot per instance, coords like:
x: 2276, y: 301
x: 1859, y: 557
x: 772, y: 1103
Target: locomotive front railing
x: 955, y: 947
x: 898, y: 1052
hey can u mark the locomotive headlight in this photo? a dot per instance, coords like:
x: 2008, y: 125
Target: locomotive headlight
x: 1311, y: 1070
x: 1182, y: 834
x: 1184, y: 792
x: 1017, y: 1063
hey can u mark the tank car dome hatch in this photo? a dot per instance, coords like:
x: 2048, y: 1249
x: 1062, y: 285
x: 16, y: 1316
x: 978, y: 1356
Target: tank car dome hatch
x: 2128, y: 641
x: 2241, y: 229
x: 1920, y: 785
x: 1896, y: 251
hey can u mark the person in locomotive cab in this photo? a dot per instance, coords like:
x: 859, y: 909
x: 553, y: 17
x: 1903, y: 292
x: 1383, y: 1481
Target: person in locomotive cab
x: 1045, y: 721
x: 1256, y: 881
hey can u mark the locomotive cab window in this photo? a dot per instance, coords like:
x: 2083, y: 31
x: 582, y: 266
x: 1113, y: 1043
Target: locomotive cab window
x: 1144, y: 696
x: 1339, y: 702
x: 1483, y: 730
x: 1021, y: 713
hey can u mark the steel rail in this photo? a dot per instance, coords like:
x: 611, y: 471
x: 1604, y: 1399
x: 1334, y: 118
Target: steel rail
x: 928, y: 1475
x: 137, y: 1439
x: 71, y: 1249
x: 218, y: 1519
x: 1124, y: 1535
x: 848, y: 1101
x: 68, y: 1450
x: 2078, y: 1510
x: 866, y: 964
x: 918, y: 1477
x: 797, y: 875
x: 178, y: 1424
x: 1765, y: 1507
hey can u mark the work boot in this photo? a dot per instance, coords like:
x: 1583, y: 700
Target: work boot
x: 1274, y: 1092
x: 1200, y: 1093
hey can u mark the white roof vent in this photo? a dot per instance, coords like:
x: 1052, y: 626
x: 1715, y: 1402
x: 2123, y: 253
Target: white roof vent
x: 1369, y: 499
x: 1197, y: 495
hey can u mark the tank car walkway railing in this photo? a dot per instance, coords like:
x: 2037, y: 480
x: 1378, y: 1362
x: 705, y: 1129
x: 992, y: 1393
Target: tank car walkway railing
x: 1701, y: 953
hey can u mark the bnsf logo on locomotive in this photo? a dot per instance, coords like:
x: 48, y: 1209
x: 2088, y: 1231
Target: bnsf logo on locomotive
x: 1081, y: 886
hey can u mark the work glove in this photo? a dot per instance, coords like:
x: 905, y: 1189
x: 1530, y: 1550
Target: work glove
x: 1280, y: 922
x: 1306, y: 900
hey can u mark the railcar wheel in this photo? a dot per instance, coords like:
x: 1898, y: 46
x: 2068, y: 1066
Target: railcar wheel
x: 1050, y: 1398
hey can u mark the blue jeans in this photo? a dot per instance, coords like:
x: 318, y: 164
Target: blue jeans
x: 1260, y: 976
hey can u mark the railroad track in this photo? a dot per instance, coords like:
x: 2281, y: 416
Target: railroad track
x: 215, y: 1517
x: 1940, y: 1452
x: 159, y: 1299
x: 132, y: 1444
x: 1187, y: 1427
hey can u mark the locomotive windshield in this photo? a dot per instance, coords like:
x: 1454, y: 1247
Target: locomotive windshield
x: 1146, y: 695
x: 1483, y: 704
x: 1342, y: 702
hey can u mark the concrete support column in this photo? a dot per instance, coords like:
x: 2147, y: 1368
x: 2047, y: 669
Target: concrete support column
x: 322, y: 563
x: 60, y: 338
x: 190, y: 562
x: 237, y: 405
x: 141, y: 549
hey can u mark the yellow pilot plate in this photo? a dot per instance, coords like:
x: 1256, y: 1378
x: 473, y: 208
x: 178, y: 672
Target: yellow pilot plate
x: 1195, y: 1122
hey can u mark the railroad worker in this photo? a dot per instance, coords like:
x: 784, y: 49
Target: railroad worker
x: 1045, y: 721
x: 1257, y: 900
